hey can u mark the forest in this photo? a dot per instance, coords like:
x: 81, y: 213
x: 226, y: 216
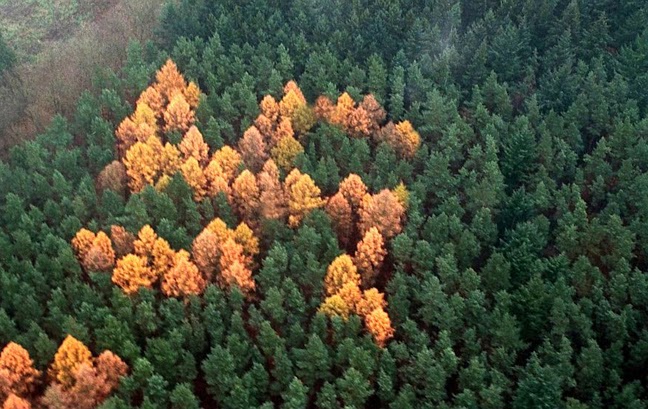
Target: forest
x: 396, y: 204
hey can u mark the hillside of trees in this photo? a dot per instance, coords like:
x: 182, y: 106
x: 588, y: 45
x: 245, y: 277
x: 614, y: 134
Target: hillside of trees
x: 342, y: 204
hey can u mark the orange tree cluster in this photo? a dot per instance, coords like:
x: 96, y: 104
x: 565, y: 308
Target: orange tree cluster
x: 75, y: 379
x: 251, y: 178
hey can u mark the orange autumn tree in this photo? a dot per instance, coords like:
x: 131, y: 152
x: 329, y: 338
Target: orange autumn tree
x: 234, y: 268
x: 193, y: 146
x: 17, y: 371
x: 82, y: 242
x: 70, y: 356
x: 100, y: 256
x: 379, y: 325
x: 206, y: 252
x: 195, y: 178
x: 183, y: 278
x: 303, y: 196
x: 353, y: 189
x: 133, y: 272
x: 15, y: 402
x: 229, y: 162
x: 340, y: 272
x: 370, y: 255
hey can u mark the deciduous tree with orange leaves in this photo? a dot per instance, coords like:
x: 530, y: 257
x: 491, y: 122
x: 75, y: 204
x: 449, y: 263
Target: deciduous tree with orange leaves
x: 195, y: 177
x: 269, y: 108
x: 370, y: 255
x: 340, y: 272
x: 229, y: 161
x: 206, y: 252
x: 17, y: 371
x: 70, y: 356
x: 113, y: 177
x: 169, y: 80
x: 234, y: 267
x: 183, y: 278
x: 379, y: 325
x: 133, y: 272
x: 82, y: 242
x: 343, y: 110
x: 303, y: 196
x: 193, y: 146
x: 245, y: 195
x: 293, y: 99
x: 402, y: 137
x: 142, y: 164
x: 15, y: 402
x: 178, y: 115
x: 382, y: 211
x: 354, y: 190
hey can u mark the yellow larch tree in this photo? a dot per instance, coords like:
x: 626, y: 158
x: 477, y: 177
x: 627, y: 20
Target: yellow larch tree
x: 162, y: 257
x: 303, y: 196
x: 324, y: 108
x: 178, y: 115
x: 205, y: 251
x: 303, y: 119
x: 169, y: 80
x: 234, y: 267
x: 269, y: 108
x: 407, y: 140
x: 283, y: 130
x: 192, y: 95
x: 353, y: 189
x: 286, y: 151
x: 133, y: 272
x: 244, y: 236
x: 334, y: 305
x: 142, y: 165
x: 340, y: 272
x: 383, y: 211
x: 216, y: 180
x: 152, y: 97
x: 343, y: 110
x: 341, y: 214
x: 70, y: 356
x: 292, y: 100
x: 14, y: 401
x: 371, y: 299
x: 229, y: 161
x: 170, y: 160
x: 195, y: 177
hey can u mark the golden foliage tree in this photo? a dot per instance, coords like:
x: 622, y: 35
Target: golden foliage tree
x: 402, y: 137
x: 370, y: 255
x: 152, y: 97
x: 229, y: 161
x: 303, y: 119
x: 82, y: 242
x: 379, y: 325
x: 343, y: 110
x: 145, y: 241
x: 269, y: 108
x: 340, y: 272
x: 216, y: 180
x: 192, y: 95
x: 183, y: 278
x: 371, y: 299
x: 253, y: 149
x: 292, y: 100
x: 274, y: 204
x: 265, y: 126
x: 245, y: 195
x: 195, y: 177
x: 178, y: 115
x: 133, y: 272
x: 234, y: 267
x: 169, y: 80
x: 162, y: 257
x: 303, y: 196
x: 335, y: 306
x: 142, y: 164
x: 283, y: 130
x: 128, y: 133
x: 244, y: 236
x: 193, y: 146
x: 383, y: 211
x: 286, y: 151
x: 17, y: 370
x: 402, y: 194
x: 169, y: 160
x: 70, y: 355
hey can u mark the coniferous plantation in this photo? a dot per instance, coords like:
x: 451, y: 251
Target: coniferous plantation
x: 337, y: 204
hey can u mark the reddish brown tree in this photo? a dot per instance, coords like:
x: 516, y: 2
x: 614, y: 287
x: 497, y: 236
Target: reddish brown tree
x: 123, y: 241
x: 113, y: 177
x: 370, y: 255
x: 183, y: 278
x: 253, y: 149
x: 17, y: 371
x: 354, y: 190
x: 245, y: 195
x: 341, y: 214
x: 274, y: 204
x: 382, y: 211
x: 193, y: 146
